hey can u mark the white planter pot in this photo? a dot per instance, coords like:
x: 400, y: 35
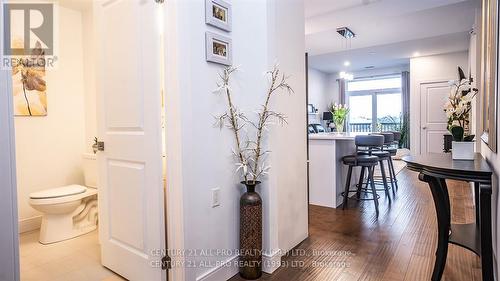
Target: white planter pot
x: 461, y: 150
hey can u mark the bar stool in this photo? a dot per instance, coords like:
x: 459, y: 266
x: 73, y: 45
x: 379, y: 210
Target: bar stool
x: 397, y: 138
x: 383, y: 156
x: 392, y: 149
x: 365, y: 161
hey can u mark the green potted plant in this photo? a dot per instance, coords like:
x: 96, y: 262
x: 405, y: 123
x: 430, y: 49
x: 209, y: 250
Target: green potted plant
x: 457, y: 110
x: 339, y: 112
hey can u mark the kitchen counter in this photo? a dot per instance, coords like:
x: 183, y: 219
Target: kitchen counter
x: 327, y: 173
x: 335, y: 136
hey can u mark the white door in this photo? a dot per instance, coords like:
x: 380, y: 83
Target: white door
x: 131, y: 206
x: 433, y: 121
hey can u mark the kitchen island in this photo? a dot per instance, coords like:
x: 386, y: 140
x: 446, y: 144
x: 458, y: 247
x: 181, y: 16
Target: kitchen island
x: 327, y: 173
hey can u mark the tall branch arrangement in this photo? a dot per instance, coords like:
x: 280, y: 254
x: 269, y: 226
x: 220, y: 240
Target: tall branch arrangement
x: 249, y: 152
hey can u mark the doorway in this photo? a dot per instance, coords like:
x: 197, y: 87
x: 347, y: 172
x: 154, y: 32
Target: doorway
x: 106, y: 100
x: 433, y: 121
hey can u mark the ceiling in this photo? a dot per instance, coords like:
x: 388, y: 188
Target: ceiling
x: 388, y: 32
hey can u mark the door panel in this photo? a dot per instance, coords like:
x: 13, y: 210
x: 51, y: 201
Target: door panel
x: 131, y: 209
x: 433, y: 121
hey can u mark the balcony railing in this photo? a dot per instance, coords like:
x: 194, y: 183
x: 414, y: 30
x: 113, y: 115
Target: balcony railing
x: 360, y: 127
x: 367, y: 127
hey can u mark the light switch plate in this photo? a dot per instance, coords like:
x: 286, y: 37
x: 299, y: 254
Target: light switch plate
x: 215, y: 197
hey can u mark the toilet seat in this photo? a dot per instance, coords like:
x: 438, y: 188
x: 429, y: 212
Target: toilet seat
x: 68, y: 190
x: 62, y: 199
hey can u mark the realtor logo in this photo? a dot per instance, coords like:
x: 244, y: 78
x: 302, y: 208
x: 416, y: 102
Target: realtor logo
x: 26, y: 26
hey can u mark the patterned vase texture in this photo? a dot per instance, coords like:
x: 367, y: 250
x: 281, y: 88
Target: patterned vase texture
x: 250, y: 233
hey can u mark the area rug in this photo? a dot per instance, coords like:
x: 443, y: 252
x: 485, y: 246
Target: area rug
x: 399, y: 165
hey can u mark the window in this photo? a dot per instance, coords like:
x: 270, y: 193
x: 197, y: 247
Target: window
x: 375, y: 104
x: 374, y: 84
x: 360, y: 116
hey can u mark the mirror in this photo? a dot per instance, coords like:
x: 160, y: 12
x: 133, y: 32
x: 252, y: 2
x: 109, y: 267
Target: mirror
x: 489, y: 67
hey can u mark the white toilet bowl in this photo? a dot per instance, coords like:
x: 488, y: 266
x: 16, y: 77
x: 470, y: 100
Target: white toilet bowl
x: 68, y: 211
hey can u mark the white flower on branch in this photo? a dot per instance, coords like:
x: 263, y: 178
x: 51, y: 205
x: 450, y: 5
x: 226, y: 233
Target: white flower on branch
x: 250, y: 155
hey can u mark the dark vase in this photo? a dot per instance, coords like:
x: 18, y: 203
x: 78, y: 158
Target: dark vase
x: 250, y: 233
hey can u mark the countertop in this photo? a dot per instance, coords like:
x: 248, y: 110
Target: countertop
x: 335, y: 136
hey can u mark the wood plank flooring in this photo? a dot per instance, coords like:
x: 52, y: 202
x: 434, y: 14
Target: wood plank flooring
x: 398, y: 245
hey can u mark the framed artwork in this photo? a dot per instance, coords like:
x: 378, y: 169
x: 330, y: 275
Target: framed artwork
x: 218, y: 49
x: 218, y: 14
x: 311, y: 108
x: 489, y: 70
x: 29, y: 82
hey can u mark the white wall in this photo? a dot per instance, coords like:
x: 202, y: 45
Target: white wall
x: 89, y: 76
x: 494, y: 160
x: 199, y: 155
x: 49, y: 149
x: 323, y: 91
x: 425, y: 69
x: 288, y: 144
x: 318, y: 89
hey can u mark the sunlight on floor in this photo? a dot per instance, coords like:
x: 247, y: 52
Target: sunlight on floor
x: 75, y: 259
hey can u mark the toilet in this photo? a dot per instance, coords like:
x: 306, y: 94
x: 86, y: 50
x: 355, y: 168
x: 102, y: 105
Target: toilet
x: 68, y: 211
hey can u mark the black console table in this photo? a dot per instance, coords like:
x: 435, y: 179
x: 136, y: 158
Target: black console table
x: 435, y: 169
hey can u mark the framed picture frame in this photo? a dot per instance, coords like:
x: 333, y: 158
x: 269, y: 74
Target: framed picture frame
x: 311, y: 109
x: 218, y: 13
x: 219, y: 49
x: 489, y: 71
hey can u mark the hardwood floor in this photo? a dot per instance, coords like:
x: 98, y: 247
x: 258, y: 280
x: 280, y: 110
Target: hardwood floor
x: 399, y: 245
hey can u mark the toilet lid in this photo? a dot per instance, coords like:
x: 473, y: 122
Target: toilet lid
x: 58, y: 192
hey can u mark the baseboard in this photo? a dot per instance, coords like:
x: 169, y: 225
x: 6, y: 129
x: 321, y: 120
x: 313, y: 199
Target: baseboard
x: 30, y: 224
x: 224, y: 271
x: 271, y: 262
x: 229, y: 268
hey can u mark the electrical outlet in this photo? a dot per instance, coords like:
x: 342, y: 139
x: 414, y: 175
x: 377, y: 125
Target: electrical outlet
x: 215, y: 197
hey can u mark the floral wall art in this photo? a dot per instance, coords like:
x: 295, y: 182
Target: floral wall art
x: 29, y: 83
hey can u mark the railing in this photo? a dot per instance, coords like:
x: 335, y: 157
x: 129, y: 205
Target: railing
x: 367, y: 127
x: 360, y: 127
x: 389, y: 127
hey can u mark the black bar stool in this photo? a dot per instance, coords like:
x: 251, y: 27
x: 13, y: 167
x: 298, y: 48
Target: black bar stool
x: 368, y: 161
x: 383, y: 156
x: 392, y: 149
x: 397, y: 138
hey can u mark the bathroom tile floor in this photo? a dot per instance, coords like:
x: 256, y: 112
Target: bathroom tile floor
x: 77, y: 259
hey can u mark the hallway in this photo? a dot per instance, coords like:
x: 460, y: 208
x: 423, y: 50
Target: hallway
x: 400, y: 245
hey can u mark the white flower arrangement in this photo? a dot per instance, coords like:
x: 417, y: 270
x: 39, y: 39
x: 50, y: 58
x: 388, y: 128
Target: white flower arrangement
x: 458, y: 105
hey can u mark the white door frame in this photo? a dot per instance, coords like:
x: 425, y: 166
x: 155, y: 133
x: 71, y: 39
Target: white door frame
x: 9, y: 243
x: 173, y: 142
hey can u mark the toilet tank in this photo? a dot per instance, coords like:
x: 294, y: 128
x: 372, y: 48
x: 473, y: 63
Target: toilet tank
x: 90, y: 169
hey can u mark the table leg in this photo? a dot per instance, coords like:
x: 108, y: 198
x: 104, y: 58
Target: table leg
x: 439, y: 192
x: 476, y: 203
x: 486, y: 244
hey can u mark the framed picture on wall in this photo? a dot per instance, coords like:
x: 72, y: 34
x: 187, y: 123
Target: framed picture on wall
x: 218, y: 49
x: 489, y: 71
x: 311, y: 108
x: 218, y: 14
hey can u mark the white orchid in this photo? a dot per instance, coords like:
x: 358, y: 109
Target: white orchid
x: 458, y: 105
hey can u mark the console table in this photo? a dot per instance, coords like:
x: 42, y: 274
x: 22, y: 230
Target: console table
x: 434, y: 169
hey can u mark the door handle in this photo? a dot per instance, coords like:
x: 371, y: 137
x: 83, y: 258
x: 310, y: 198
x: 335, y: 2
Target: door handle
x: 97, y: 146
x: 424, y: 128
